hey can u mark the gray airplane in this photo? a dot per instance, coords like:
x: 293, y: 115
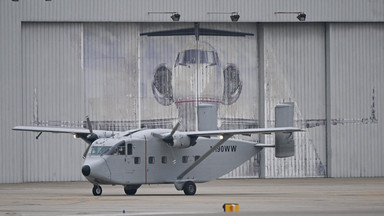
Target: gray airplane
x: 163, y: 156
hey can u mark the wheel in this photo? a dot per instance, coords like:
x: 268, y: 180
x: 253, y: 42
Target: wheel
x: 189, y: 188
x: 97, y: 190
x: 131, y: 189
x: 130, y: 192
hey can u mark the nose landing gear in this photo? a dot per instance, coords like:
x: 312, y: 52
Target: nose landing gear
x: 97, y: 190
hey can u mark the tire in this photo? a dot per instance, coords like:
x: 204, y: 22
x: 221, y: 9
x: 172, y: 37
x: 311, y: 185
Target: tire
x: 97, y: 191
x: 130, y: 192
x: 131, y: 189
x: 189, y: 188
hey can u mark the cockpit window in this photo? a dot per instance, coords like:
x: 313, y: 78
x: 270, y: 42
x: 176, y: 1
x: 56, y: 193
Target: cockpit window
x: 195, y: 56
x: 99, y: 150
x: 118, y: 149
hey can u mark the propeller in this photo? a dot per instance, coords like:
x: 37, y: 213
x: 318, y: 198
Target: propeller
x: 169, y: 138
x: 91, y: 137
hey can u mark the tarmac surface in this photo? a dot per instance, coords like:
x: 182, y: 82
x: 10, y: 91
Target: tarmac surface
x: 314, y: 196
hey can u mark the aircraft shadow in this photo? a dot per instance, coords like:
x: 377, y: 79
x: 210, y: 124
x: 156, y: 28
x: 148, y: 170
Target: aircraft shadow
x: 181, y: 195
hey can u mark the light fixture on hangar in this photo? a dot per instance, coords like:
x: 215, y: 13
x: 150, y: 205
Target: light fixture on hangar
x: 175, y: 15
x: 234, y: 15
x: 301, y: 16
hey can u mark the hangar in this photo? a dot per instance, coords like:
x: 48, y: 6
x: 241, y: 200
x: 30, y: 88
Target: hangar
x: 63, y: 60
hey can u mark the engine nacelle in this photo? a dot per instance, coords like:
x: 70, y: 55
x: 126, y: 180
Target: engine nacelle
x: 92, y: 137
x: 181, y: 140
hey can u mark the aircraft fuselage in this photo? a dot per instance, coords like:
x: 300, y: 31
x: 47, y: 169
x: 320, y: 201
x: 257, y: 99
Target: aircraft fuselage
x: 141, y: 158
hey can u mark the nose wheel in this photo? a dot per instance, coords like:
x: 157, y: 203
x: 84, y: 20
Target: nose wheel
x: 97, y: 190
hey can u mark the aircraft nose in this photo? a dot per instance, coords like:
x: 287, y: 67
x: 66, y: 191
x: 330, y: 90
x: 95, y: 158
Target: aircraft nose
x: 86, y: 170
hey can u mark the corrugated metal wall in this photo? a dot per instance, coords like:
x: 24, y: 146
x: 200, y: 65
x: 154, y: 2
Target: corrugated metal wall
x: 357, y: 75
x: 10, y: 91
x: 52, y: 94
x: 295, y: 72
x: 196, y: 10
x: 297, y: 59
x: 110, y: 53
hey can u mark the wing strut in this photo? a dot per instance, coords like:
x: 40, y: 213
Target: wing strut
x: 222, y: 141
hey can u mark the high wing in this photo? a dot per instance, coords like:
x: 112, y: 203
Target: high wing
x: 86, y: 134
x: 244, y: 131
x: 52, y: 129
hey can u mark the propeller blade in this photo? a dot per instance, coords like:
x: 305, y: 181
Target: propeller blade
x: 169, y: 138
x: 86, y: 151
x: 91, y: 137
x: 89, y: 124
x: 175, y: 128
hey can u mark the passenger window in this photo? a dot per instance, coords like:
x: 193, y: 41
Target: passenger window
x: 137, y: 160
x: 151, y: 160
x: 129, y: 152
x: 185, y: 159
x: 197, y: 157
x: 164, y: 159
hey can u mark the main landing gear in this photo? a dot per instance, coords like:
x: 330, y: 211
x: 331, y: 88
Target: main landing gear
x: 188, y: 187
x: 131, y: 189
x: 128, y: 189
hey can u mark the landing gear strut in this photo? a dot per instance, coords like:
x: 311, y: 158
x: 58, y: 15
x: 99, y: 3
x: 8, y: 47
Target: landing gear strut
x: 97, y: 190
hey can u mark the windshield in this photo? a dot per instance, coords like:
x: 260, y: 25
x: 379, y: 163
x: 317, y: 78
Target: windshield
x: 195, y: 56
x: 99, y: 150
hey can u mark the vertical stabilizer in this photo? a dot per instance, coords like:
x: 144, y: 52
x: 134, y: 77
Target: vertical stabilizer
x: 207, y: 116
x: 284, y: 142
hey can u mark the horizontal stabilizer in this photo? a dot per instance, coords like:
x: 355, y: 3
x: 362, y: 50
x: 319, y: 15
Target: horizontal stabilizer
x: 243, y: 131
x: 262, y: 145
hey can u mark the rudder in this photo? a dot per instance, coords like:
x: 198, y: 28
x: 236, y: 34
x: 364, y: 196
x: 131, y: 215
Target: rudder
x: 284, y: 142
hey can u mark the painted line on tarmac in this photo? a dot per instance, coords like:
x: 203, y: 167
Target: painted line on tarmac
x: 89, y: 199
x: 155, y: 213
